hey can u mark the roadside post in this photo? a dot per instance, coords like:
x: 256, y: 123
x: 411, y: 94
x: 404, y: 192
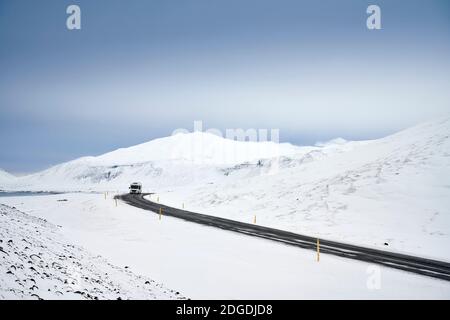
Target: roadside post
x: 318, y: 250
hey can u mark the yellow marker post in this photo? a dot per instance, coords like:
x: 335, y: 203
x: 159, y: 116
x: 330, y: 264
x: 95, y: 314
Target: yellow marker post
x: 160, y: 213
x: 254, y: 219
x: 183, y: 205
x: 318, y: 249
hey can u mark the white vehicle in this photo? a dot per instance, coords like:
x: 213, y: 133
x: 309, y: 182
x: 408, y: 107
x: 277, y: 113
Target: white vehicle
x: 135, y: 188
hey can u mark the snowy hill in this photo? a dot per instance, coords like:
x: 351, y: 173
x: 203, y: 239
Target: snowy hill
x: 5, y: 178
x: 176, y: 160
x: 198, y: 148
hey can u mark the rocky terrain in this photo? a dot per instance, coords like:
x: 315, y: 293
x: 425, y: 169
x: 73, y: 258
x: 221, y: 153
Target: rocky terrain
x: 36, y: 262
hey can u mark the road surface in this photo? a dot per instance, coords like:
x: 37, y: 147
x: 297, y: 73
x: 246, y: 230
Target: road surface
x: 423, y: 266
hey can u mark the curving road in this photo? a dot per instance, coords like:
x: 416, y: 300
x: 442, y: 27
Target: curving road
x: 423, y: 266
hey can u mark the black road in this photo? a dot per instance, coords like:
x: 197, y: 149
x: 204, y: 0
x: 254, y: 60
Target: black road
x: 423, y: 266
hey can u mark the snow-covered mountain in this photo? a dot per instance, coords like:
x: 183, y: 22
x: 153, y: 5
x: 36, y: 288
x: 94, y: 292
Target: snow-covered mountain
x: 181, y: 159
x: 203, y: 159
x: 5, y: 178
x: 198, y: 148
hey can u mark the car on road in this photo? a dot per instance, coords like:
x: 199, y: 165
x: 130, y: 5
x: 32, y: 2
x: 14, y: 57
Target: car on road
x: 135, y: 188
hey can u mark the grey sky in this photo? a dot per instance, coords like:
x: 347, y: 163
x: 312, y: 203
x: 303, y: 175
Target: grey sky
x: 140, y: 69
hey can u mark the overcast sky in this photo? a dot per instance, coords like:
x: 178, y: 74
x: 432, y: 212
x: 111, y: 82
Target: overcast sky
x: 138, y: 70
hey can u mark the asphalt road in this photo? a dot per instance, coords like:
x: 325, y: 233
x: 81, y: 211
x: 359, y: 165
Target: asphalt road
x: 423, y: 266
